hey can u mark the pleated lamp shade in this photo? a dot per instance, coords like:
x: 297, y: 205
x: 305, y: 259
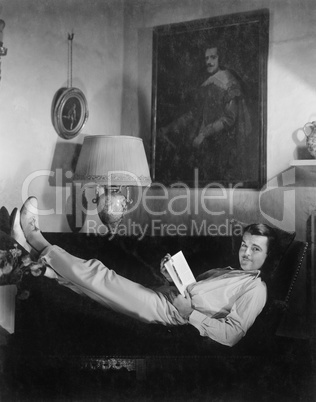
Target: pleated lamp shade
x: 113, y: 161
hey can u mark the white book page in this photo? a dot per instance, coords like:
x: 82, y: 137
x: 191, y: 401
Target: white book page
x: 180, y: 272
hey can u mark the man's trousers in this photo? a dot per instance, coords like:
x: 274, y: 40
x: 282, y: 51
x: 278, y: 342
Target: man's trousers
x: 92, y: 278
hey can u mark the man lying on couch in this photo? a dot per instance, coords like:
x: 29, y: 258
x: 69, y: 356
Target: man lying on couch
x: 223, y: 303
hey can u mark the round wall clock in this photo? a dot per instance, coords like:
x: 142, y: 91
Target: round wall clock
x: 69, y: 112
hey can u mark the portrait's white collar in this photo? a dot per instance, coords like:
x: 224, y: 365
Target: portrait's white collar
x: 220, y: 78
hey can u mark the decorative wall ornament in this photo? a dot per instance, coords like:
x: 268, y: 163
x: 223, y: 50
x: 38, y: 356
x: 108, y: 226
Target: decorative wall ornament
x: 69, y: 110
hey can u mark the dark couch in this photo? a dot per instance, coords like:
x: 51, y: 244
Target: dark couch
x: 56, y: 327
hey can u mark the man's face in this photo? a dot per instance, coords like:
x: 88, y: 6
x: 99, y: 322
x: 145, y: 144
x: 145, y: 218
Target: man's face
x: 211, y: 60
x: 253, y: 251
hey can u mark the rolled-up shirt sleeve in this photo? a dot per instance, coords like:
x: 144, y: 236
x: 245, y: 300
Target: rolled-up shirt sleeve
x: 232, y: 328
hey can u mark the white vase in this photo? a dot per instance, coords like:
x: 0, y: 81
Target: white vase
x: 310, y: 132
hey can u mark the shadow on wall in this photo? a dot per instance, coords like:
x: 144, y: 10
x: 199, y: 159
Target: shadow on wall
x: 144, y: 104
x: 299, y: 139
x: 64, y: 163
x: 144, y: 124
x: 63, y: 166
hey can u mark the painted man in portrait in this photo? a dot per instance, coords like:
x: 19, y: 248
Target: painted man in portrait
x: 213, y: 134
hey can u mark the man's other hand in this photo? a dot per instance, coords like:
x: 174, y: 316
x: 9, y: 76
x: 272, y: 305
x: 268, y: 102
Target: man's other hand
x: 183, y: 304
x: 163, y: 269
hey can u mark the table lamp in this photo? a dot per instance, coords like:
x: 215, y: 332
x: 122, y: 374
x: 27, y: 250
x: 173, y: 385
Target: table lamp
x: 112, y: 164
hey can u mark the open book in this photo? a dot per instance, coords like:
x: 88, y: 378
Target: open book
x: 180, y: 272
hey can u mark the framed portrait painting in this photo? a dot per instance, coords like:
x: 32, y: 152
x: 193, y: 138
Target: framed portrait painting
x: 209, y: 101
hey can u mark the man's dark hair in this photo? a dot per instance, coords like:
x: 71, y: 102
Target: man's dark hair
x: 261, y: 229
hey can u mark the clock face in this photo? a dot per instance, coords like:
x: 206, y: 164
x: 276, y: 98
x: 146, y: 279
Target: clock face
x: 69, y: 112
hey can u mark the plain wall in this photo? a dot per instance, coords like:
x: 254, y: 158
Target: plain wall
x: 36, y: 66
